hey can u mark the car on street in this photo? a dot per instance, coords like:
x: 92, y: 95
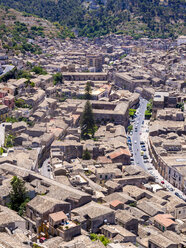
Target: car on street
x: 142, y: 143
x: 177, y: 194
x: 48, y: 169
x: 145, y: 156
x: 149, y: 168
x: 135, y: 142
x: 170, y: 188
x: 162, y: 182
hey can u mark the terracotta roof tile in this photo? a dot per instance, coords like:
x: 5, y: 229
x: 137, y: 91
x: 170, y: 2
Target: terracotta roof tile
x: 115, y: 203
x: 164, y: 219
x: 119, y: 152
x: 58, y: 216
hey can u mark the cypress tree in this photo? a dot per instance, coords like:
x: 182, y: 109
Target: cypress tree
x: 87, y: 122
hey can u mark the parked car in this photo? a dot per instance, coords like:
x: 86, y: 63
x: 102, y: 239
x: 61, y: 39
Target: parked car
x: 177, y: 194
x: 162, y: 182
x: 171, y: 189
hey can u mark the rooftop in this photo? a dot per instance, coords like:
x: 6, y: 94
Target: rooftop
x: 164, y: 219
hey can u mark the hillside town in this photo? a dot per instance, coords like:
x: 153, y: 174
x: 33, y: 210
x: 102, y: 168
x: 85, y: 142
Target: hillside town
x: 116, y: 180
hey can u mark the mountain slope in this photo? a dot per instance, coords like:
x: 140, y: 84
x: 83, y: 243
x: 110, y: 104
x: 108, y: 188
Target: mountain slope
x: 65, y: 11
x: 18, y: 30
x: 153, y: 18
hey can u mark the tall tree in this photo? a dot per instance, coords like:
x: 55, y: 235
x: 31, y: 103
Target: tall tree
x: 88, y: 91
x: 87, y: 122
x: 17, y: 194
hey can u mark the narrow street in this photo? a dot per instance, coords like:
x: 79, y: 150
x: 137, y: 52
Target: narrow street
x: 137, y: 125
x: 45, y: 170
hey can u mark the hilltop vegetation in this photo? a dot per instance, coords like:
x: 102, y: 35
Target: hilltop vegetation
x: 19, y: 30
x: 138, y: 18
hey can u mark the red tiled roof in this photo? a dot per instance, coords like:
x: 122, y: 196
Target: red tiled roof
x: 119, y: 152
x: 115, y: 203
x: 164, y: 219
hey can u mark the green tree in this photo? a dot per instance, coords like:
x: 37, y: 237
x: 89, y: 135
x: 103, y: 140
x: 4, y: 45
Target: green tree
x: 130, y: 128
x: 58, y: 78
x: 18, y: 193
x: 88, y: 91
x: 102, y: 238
x: 86, y: 155
x: 9, y: 140
x: 132, y: 112
x: 39, y: 70
x: 87, y: 122
x: 150, y: 105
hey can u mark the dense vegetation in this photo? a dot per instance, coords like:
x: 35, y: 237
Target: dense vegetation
x: 148, y: 111
x: 102, y: 238
x: 18, y: 35
x: 65, y: 11
x: 153, y: 18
